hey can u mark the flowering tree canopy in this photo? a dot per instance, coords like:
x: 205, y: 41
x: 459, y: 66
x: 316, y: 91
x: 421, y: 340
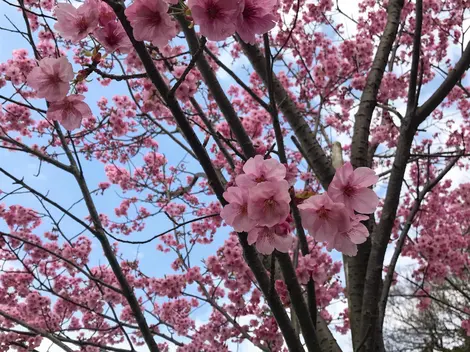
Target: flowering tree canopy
x: 202, y: 175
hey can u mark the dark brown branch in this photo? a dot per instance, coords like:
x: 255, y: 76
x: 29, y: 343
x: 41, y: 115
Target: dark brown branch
x: 311, y: 298
x: 307, y: 321
x: 100, y: 234
x: 28, y: 28
x: 92, y: 278
x: 298, y: 303
x: 237, y: 79
x: 449, y: 83
x: 68, y: 340
x: 190, y: 66
x: 363, y: 118
x: 412, y: 90
x: 163, y: 233
x: 117, y: 77
x: 39, y: 155
x: 22, y: 104
x: 217, y: 91
x: 29, y: 11
x: 381, y: 234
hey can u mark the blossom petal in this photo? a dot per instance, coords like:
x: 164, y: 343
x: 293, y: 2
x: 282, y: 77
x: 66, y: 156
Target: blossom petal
x: 283, y: 243
x: 364, y: 177
x: 265, y: 245
x: 365, y: 201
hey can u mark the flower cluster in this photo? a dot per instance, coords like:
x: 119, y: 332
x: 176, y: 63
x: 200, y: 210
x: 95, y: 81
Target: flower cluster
x: 151, y: 21
x: 76, y: 23
x: 219, y: 19
x: 259, y: 205
x: 51, y: 80
x: 331, y: 217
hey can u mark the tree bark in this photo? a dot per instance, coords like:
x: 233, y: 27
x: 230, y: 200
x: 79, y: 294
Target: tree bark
x: 359, y: 157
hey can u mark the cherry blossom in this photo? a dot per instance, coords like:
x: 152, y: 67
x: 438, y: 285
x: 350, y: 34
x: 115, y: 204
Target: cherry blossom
x: 269, y: 238
x: 324, y: 218
x: 76, y: 23
x: 351, y: 188
x: 259, y: 170
x: 236, y: 213
x: 70, y: 111
x: 150, y: 21
x: 268, y: 203
x: 51, y: 78
x: 256, y: 18
x: 216, y: 18
x: 113, y: 37
x: 346, y: 241
x: 106, y: 14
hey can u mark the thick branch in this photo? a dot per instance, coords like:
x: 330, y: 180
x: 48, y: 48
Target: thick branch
x: 359, y: 152
x: 237, y: 79
x: 325, y: 337
x: 298, y: 303
x: 363, y: 118
x: 449, y: 83
x: 370, y: 331
x: 286, y: 265
x: 412, y: 94
x: 216, y: 90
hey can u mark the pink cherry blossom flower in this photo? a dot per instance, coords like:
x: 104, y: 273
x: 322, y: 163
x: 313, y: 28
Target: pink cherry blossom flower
x: 256, y: 18
x: 291, y: 173
x: 113, y: 37
x: 259, y: 170
x: 216, y: 18
x: 268, y: 203
x: 51, y: 78
x: 269, y: 238
x: 69, y: 111
x: 75, y: 23
x: 346, y: 241
x: 236, y: 212
x: 151, y: 22
x: 351, y: 188
x: 324, y: 218
x: 106, y: 14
